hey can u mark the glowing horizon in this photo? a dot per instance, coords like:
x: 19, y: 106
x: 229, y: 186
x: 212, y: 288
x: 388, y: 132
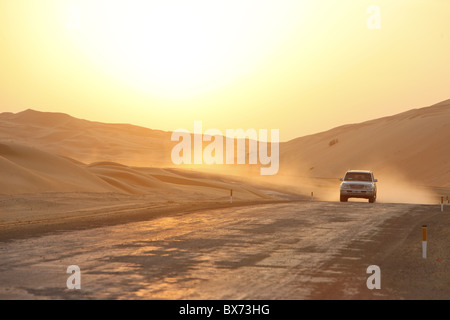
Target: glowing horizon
x: 299, y: 66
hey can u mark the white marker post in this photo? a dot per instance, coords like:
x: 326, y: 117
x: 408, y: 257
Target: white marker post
x: 442, y: 204
x: 312, y: 196
x: 231, y: 195
x: 424, y: 241
x: 447, y: 200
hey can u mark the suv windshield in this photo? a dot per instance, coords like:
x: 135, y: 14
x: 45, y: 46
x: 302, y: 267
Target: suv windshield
x: 358, y: 176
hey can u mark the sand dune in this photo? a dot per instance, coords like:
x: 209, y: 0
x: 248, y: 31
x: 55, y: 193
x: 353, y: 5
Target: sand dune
x: 65, y: 154
x: 411, y: 146
x: 86, y: 141
x: 29, y: 170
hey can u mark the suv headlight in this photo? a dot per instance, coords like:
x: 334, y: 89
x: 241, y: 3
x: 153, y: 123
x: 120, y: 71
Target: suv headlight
x: 369, y: 187
x: 345, y: 186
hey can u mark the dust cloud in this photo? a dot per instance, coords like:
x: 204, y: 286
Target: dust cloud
x: 391, y: 187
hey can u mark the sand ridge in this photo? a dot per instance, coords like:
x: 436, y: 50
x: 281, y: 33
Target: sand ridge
x: 410, y: 146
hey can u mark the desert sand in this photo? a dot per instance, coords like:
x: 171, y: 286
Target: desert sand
x: 63, y: 173
x: 54, y: 165
x: 408, y: 153
x: 39, y: 186
x: 86, y: 141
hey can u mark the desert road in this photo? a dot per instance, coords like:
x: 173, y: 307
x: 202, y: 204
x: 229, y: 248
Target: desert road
x: 291, y: 250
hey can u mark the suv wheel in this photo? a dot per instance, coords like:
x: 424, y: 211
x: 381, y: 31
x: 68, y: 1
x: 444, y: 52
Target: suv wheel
x: 344, y: 199
x: 372, y: 199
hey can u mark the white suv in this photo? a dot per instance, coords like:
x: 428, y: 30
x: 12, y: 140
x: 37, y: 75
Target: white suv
x: 359, y: 184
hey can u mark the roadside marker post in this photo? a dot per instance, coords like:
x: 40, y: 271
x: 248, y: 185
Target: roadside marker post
x: 447, y: 200
x: 442, y: 204
x: 312, y: 196
x: 424, y: 241
x: 231, y: 195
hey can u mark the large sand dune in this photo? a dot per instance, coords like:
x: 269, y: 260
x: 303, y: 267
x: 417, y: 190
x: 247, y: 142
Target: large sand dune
x: 407, y: 152
x: 47, y: 152
x: 29, y: 170
x: 412, y: 145
x: 86, y: 141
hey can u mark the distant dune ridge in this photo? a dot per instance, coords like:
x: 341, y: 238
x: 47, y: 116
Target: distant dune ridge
x: 48, y: 152
x: 86, y: 141
x: 412, y: 144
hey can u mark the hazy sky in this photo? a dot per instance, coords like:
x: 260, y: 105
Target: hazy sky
x: 301, y: 66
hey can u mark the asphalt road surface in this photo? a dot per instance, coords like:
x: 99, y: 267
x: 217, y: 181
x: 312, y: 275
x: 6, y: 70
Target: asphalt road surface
x: 296, y: 250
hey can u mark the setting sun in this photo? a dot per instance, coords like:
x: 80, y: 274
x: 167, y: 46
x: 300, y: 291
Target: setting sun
x: 230, y: 64
x: 178, y: 48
